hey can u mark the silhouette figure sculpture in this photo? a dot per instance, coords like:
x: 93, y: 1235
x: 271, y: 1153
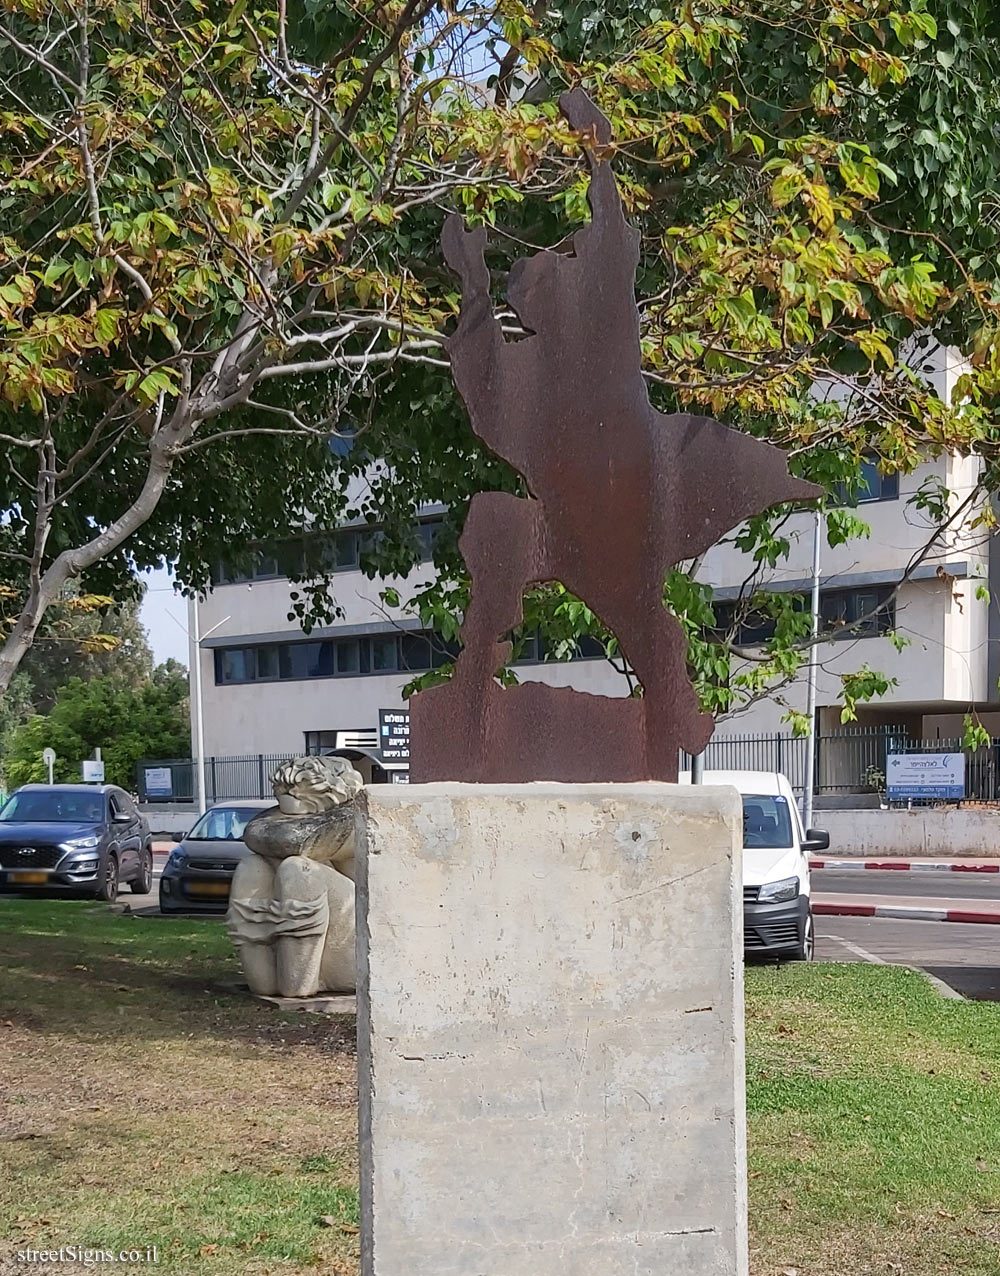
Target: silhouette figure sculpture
x: 618, y: 494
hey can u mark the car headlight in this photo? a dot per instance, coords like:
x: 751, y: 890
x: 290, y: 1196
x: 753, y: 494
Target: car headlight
x: 779, y: 892
x: 176, y: 859
x: 81, y: 843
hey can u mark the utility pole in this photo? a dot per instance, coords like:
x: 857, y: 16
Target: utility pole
x: 810, y: 776
x: 195, y: 639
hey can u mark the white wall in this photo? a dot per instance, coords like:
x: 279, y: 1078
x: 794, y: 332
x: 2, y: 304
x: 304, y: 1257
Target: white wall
x: 941, y: 832
x: 273, y: 717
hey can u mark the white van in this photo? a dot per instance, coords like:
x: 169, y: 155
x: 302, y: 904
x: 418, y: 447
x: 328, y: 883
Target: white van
x: 777, y: 915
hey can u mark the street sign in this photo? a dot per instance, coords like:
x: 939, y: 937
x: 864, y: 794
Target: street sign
x: 394, y: 738
x: 49, y: 758
x: 925, y: 775
x: 159, y: 781
x: 93, y: 771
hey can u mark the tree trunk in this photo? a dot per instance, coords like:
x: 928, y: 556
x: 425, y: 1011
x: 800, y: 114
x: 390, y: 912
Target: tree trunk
x: 71, y: 562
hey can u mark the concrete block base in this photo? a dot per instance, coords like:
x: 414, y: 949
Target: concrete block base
x: 550, y: 1019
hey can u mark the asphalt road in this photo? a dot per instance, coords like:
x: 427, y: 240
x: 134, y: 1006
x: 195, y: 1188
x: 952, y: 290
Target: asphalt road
x: 891, y: 882
x: 965, y: 957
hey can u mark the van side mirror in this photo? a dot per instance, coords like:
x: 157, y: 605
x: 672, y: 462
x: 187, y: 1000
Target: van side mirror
x: 817, y: 840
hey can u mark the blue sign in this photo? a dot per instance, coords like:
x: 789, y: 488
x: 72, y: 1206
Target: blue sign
x: 925, y: 775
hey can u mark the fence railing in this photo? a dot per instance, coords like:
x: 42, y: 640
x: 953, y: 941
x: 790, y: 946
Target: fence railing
x: 848, y: 761
x: 173, y: 779
x: 852, y: 760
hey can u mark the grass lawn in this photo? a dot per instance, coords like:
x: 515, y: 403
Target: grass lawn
x: 143, y: 1103
x: 874, y: 1125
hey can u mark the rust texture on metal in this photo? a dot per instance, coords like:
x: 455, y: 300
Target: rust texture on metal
x: 618, y: 494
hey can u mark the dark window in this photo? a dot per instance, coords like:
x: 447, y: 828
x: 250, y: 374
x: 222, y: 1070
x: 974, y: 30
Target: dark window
x: 349, y: 656
x: 385, y: 653
x: 442, y: 651
x: 339, y: 551
x: 346, y: 551
x: 267, y: 663
x: 427, y: 532
x: 858, y: 613
x: 872, y: 486
x: 231, y: 665
x: 756, y: 628
x: 405, y: 652
x: 415, y: 650
x: 589, y: 649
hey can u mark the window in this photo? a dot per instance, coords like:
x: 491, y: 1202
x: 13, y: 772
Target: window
x: 766, y: 822
x: 872, y: 486
x: 415, y: 651
x: 857, y: 613
x: 427, y: 533
x: 339, y: 551
x: 231, y: 665
x: 853, y: 613
x: 223, y: 824
x: 349, y: 656
x: 267, y: 663
x: 385, y: 654
x: 409, y: 652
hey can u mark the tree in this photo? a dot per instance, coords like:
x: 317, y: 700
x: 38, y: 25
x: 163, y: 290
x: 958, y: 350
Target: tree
x: 86, y: 642
x: 126, y: 722
x: 222, y: 251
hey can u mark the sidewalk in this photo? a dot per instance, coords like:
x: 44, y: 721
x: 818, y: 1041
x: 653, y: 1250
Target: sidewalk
x: 909, y: 908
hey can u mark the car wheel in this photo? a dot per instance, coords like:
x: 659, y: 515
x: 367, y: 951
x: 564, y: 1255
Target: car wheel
x: 108, y: 889
x: 143, y: 884
x: 806, y: 951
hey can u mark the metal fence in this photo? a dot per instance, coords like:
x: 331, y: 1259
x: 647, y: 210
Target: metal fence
x: 173, y: 779
x: 852, y: 760
x: 849, y: 761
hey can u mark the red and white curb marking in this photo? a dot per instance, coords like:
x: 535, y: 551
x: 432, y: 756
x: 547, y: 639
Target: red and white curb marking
x: 899, y: 866
x: 907, y: 912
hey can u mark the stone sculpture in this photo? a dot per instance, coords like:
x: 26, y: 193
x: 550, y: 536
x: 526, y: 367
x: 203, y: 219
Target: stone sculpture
x: 615, y: 494
x: 291, y: 906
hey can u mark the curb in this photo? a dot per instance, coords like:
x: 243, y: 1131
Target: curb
x: 904, y: 912
x: 898, y: 866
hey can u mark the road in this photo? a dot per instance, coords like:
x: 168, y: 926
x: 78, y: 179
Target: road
x: 910, y: 884
x: 966, y: 957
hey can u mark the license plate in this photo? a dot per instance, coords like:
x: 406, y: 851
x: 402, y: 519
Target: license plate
x: 28, y: 879
x: 208, y: 888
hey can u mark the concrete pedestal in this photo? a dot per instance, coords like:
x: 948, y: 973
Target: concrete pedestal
x: 551, y: 1031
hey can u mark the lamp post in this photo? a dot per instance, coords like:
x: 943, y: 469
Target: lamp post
x: 810, y: 776
x: 196, y: 637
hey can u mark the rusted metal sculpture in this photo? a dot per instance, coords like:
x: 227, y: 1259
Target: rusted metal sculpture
x: 619, y: 494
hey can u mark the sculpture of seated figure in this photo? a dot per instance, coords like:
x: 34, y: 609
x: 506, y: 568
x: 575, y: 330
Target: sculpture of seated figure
x: 291, y: 906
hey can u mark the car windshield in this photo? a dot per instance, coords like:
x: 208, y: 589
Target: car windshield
x: 55, y: 806
x: 767, y: 821
x: 223, y: 824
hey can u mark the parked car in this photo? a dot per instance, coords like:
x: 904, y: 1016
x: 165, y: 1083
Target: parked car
x: 777, y: 912
x: 83, y: 838
x: 199, y: 871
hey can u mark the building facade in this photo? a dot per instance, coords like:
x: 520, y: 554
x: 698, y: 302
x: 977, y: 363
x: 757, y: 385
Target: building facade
x: 268, y: 688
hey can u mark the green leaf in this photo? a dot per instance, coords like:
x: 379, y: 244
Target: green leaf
x: 54, y: 271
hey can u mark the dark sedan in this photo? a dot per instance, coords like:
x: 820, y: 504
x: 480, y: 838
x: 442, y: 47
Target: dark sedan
x: 86, y: 839
x: 197, y: 876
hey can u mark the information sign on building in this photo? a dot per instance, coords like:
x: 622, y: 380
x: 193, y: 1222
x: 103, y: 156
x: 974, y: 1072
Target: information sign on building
x: 925, y: 775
